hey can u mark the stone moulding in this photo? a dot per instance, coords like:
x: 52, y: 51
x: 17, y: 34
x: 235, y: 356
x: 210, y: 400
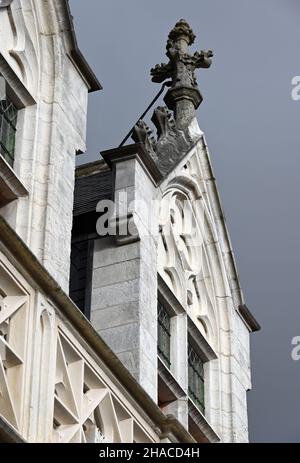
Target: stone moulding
x: 168, y: 298
x: 11, y: 187
x: 21, y: 94
x: 200, y: 420
x: 205, y: 348
x: 131, y: 151
x: 18, y: 252
x: 168, y: 378
x: 248, y: 318
x: 8, y: 434
x: 77, y: 57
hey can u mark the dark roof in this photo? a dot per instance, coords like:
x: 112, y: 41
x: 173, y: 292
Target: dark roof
x: 90, y: 189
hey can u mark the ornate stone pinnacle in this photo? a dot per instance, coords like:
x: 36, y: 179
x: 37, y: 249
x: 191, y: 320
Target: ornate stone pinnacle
x: 184, y: 96
x: 182, y: 29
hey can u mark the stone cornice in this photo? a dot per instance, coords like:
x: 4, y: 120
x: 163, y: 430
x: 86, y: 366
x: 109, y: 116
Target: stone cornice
x: 77, y: 57
x: 168, y: 298
x: 205, y: 348
x: 91, y: 168
x: 138, y: 151
x: 249, y: 319
x: 11, y: 186
x: 169, y: 380
x: 199, y: 419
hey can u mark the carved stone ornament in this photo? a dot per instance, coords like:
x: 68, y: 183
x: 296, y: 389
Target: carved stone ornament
x: 173, y: 123
x: 163, y: 121
x: 181, y: 67
x: 143, y: 134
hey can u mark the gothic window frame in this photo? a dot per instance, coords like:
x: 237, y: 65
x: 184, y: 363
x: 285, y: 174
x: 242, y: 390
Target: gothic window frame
x: 18, y: 99
x: 83, y: 233
x: 170, y: 385
x: 8, y: 128
x: 174, y: 308
x: 207, y: 354
x: 11, y: 187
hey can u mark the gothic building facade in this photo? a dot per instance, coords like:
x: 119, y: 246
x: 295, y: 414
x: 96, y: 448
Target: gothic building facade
x: 121, y: 314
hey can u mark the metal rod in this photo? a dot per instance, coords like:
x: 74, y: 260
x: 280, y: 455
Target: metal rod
x: 166, y: 84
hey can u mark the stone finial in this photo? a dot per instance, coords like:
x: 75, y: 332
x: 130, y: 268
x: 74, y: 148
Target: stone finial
x: 184, y: 96
x: 182, y: 29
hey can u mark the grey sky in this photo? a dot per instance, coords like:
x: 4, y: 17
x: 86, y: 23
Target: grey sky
x: 252, y: 128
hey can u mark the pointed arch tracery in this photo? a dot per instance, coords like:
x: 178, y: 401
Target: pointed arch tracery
x: 188, y: 256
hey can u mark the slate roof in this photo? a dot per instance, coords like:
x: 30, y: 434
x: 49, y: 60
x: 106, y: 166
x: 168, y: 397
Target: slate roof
x: 91, y: 186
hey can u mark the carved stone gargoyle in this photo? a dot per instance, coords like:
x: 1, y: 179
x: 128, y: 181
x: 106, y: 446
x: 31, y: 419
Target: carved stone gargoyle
x: 163, y: 121
x: 143, y: 134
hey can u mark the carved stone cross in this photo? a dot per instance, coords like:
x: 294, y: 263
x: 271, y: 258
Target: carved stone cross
x: 184, y: 96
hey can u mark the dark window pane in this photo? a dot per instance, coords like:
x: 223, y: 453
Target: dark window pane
x: 164, y: 335
x: 196, y: 378
x: 79, y: 274
x: 83, y: 236
x: 8, y: 122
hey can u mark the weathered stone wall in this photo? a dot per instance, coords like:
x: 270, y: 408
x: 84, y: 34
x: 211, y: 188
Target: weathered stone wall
x: 34, y: 42
x: 124, y: 294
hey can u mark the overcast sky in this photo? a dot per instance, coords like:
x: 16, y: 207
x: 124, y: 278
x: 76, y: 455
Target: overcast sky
x: 252, y: 127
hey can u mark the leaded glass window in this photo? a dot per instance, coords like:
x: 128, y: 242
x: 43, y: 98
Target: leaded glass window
x: 196, y: 378
x: 164, y: 335
x: 8, y: 124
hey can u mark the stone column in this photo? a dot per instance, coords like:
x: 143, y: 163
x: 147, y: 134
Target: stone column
x: 124, y: 289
